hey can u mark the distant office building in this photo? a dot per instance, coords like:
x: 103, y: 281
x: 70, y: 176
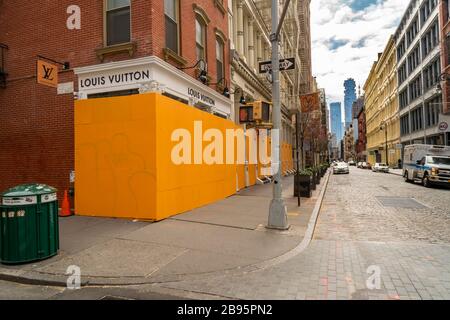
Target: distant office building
x: 336, y: 120
x: 349, y: 98
x: 358, y: 105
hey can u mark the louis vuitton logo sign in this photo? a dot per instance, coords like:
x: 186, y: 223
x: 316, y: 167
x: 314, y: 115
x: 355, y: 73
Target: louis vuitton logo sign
x: 47, y: 73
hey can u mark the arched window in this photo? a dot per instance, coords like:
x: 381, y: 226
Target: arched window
x: 200, y: 38
x: 220, y: 65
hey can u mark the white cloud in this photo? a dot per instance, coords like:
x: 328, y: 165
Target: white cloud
x: 358, y: 35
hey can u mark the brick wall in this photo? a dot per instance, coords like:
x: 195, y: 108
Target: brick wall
x: 36, y: 124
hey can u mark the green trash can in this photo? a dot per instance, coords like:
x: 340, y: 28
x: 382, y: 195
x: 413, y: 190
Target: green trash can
x: 29, y: 229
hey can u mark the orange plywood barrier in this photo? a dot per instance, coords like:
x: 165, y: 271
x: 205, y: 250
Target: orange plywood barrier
x: 123, y: 159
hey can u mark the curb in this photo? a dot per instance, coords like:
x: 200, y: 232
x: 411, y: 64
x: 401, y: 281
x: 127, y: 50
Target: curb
x: 54, y: 280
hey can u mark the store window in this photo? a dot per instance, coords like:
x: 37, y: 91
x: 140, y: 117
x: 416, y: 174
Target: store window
x: 219, y: 59
x: 118, y: 22
x: 200, y: 38
x: 112, y: 94
x: 172, y: 25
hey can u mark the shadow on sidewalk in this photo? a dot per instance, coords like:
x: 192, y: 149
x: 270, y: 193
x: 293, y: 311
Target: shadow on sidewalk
x: 225, y: 235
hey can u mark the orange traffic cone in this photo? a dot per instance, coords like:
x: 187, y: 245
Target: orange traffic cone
x: 65, y: 210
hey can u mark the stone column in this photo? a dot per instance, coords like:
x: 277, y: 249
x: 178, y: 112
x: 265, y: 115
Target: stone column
x: 251, y: 43
x: 259, y: 53
x: 240, y: 28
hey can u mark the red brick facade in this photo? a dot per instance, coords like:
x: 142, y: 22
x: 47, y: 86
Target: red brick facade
x: 361, y: 144
x: 36, y: 124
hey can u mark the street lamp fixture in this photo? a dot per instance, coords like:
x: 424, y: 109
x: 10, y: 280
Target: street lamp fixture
x: 226, y: 91
x: 242, y: 100
x: 384, y: 127
x: 203, y: 75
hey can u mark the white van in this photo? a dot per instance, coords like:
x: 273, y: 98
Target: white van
x: 427, y: 164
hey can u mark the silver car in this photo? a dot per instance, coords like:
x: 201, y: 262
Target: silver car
x: 341, y: 167
x: 380, y: 167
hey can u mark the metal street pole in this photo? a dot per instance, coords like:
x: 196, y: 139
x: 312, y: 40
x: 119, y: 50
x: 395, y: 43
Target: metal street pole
x: 278, y: 210
x: 387, y: 153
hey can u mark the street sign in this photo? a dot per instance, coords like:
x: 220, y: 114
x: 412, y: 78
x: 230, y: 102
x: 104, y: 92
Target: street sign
x: 47, y: 74
x: 285, y: 65
x: 399, y: 146
x: 443, y: 126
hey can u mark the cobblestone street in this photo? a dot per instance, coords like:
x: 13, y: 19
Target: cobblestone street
x: 367, y: 220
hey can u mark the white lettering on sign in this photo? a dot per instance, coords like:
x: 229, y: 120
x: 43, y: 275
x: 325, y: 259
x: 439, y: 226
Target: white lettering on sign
x: 46, y: 198
x: 18, y: 201
x: 115, y: 79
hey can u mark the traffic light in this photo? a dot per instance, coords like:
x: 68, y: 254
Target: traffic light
x: 258, y: 112
x: 246, y: 114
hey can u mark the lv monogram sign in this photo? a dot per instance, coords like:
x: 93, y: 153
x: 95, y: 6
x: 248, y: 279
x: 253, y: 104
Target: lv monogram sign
x: 47, y: 73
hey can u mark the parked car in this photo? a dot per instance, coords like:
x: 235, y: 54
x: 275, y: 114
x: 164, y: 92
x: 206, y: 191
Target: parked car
x: 364, y: 165
x: 341, y: 167
x: 352, y: 163
x: 380, y: 167
x: 359, y: 165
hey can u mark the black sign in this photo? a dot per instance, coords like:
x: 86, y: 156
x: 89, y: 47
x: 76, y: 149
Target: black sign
x: 285, y: 65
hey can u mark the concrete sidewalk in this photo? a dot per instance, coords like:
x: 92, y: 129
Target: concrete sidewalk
x: 227, y: 235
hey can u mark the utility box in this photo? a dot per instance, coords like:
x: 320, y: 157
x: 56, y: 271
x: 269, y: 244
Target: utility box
x: 29, y: 229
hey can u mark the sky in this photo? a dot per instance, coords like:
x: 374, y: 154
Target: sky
x: 347, y: 36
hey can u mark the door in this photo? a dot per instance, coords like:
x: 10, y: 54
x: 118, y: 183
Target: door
x: 420, y: 168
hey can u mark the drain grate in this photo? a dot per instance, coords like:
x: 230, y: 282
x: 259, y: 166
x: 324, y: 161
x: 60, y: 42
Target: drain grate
x: 407, y: 203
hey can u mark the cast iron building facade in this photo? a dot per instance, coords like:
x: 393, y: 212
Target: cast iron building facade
x: 419, y: 67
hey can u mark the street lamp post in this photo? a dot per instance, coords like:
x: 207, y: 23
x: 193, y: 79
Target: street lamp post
x: 384, y: 127
x: 278, y: 210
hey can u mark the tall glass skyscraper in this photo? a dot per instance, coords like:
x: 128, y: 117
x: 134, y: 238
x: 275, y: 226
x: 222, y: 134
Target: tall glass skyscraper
x: 349, y: 98
x: 336, y: 120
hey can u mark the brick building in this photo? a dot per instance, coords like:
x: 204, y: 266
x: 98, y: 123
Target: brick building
x: 123, y: 47
x: 361, y: 143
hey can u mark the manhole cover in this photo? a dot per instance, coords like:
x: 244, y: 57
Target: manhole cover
x: 408, y: 203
